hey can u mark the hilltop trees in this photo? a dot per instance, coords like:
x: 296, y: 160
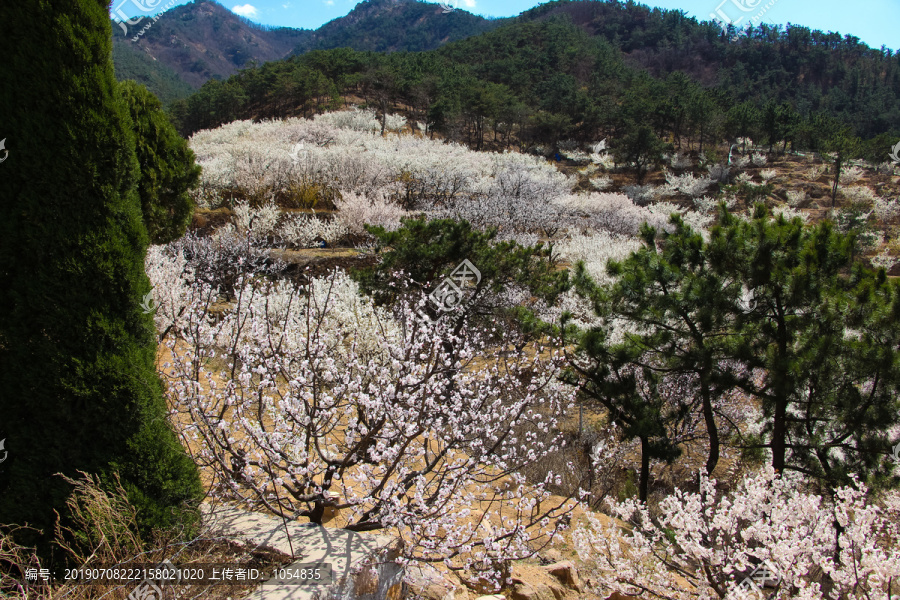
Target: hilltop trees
x: 544, y: 80
x: 78, y: 389
x: 167, y: 166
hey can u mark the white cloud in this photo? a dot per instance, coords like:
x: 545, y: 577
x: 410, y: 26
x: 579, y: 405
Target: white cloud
x: 329, y: 2
x: 247, y: 10
x: 469, y: 3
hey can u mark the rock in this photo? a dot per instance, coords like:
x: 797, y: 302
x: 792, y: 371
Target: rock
x: 534, y: 583
x: 566, y: 573
x: 492, y: 597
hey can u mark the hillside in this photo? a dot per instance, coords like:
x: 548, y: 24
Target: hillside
x: 204, y: 40
x: 585, y: 71
x: 832, y: 71
x: 193, y: 43
x: 133, y: 63
x: 396, y: 25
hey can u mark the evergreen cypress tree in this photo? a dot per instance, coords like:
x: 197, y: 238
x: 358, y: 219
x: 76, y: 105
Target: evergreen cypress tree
x: 167, y: 166
x: 78, y: 388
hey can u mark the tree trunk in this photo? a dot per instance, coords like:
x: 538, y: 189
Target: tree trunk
x: 711, y: 429
x: 781, y: 391
x: 779, y: 431
x: 644, y: 484
x: 701, y: 138
x: 837, y: 179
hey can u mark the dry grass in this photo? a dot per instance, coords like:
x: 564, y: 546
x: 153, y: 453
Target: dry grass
x: 104, y: 534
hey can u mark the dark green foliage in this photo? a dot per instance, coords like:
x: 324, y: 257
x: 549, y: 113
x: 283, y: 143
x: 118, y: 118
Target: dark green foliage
x: 779, y: 122
x: 668, y: 281
x: 742, y: 121
x: 666, y: 292
x: 839, y: 142
x: 426, y: 251
x: 819, y: 334
x: 616, y: 381
x: 749, y: 192
x: 167, y: 166
x: 641, y: 148
x: 78, y: 387
x: 132, y: 63
x: 828, y: 395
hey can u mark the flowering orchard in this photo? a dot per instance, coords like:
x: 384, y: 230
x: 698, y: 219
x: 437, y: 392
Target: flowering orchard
x: 692, y: 367
x: 303, y: 400
x: 342, y: 158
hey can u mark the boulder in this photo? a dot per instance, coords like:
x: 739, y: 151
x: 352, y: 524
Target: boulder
x: 566, y: 573
x: 534, y: 583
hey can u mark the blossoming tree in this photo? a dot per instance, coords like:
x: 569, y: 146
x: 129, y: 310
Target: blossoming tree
x: 307, y: 399
x: 768, y: 538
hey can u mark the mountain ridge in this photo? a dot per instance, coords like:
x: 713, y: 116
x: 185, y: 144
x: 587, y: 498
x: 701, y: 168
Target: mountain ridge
x: 193, y: 43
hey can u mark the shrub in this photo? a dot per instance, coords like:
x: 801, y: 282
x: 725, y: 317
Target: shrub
x: 358, y: 210
x: 167, y: 165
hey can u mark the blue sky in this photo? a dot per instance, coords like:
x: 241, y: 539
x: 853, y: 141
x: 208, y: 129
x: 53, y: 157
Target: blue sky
x: 875, y: 22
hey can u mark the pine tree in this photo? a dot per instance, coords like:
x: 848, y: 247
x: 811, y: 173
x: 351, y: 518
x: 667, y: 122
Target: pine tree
x: 677, y: 315
x: 821, y: 330
x: 640, y: 147
x: 78, y: 388
x: 814, y: 333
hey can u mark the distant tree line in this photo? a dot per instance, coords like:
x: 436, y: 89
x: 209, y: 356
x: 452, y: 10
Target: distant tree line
x: 538, y: 81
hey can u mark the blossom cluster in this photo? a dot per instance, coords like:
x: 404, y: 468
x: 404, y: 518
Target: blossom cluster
x: 369, y: 176
x: 706, y: 542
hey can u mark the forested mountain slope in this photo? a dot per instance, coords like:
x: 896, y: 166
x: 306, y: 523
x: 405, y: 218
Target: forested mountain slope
x: 814, y: 70
x: 391, y: 25
x: 204, y: 40
x: 587, y: 70
x: 131, y: 62
x: 193, y: 43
